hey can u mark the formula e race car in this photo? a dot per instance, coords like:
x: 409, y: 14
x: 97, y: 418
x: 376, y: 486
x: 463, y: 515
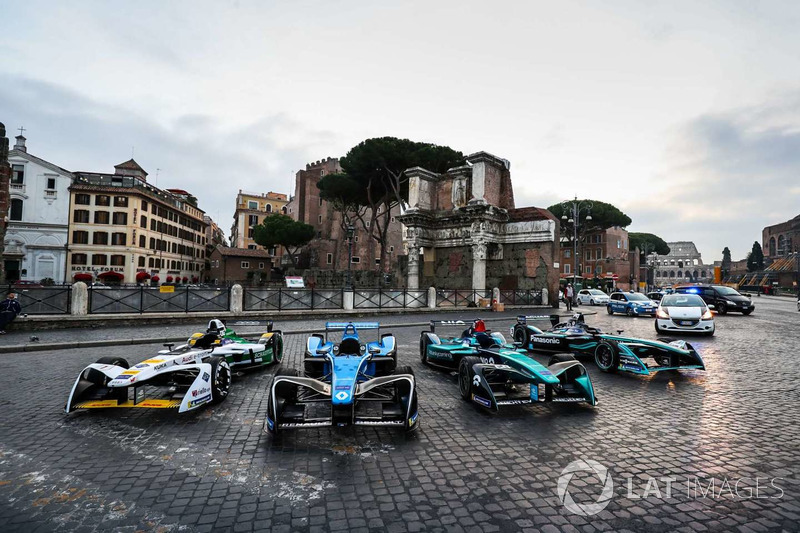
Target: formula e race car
x: 610, y: 352
x: 187, y: 377
x: 348, y: 383
x: 238, y: 352
x: 492, y: 373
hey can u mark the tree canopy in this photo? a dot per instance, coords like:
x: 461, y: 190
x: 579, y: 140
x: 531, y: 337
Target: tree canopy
x: 282, y: 230
x: 755, y: 259
x: 648, y: 243
x: 604, y: 216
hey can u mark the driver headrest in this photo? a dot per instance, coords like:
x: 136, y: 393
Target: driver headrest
x: 215, y: 326
x: 350, y: 346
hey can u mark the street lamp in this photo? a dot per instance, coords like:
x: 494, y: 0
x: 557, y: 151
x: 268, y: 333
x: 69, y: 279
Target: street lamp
x: 351, y: 231
x: 575, y: 208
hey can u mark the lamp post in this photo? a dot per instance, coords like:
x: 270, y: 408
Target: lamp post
x: 351, y: 230
x: 575, y: 208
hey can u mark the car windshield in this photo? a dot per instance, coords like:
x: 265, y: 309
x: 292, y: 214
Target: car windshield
x: 595, y: 292
x: 682, y: 300
x: 636, y: 297
x: 726, y: 291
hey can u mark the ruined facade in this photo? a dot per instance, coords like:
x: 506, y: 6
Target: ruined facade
x: 463, y: 230
x: 683, y: 264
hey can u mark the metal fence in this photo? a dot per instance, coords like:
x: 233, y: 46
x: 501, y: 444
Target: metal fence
x: 152, y: 300
x: 459, y: 297
x: 258, y: 299
x: 48, y: 300
x: 521, y: 297
x: 389, y: 299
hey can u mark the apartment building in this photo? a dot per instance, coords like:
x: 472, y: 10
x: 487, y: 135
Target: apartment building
x: 251, y: 209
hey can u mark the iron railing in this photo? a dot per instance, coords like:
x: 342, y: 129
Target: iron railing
x: 460, y: 297
x: 389, y: 298
x: 151, y: 300
x: 47, y: 300
x: 257, y: 299
x: 521, y: 297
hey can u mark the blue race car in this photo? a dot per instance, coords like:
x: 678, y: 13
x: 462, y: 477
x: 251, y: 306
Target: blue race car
x: 345, y: 383
x: 631, y: 304
x: 493, y: 374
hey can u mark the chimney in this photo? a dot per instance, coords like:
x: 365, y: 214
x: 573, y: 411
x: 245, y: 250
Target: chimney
x: 20, y: 144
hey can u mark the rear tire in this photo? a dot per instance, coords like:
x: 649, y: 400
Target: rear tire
x: 606, y: 357
x: 561, y: 358
x: 220, y: 378
x: 465, y: 376
x: 609, y: 310
x: 424, y: 342
x: 722, y: 309
x: 277, y: 348
x: 629, y: 311
x: 522, y: 336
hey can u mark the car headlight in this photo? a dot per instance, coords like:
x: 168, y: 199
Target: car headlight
x: 662, y: 313
x: 707, y: 315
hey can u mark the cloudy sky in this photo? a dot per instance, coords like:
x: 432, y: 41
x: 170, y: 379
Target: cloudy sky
x: 684, y: 114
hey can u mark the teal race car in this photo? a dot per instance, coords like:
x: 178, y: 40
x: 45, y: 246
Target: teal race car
x: 238, y: 352
x: 610, y: 352
x: 493, y: 373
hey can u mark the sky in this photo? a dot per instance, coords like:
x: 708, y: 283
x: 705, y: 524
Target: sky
x: 685, y: 115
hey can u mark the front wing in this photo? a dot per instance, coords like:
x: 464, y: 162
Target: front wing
x: 304, y: 402
x: 91, y: 390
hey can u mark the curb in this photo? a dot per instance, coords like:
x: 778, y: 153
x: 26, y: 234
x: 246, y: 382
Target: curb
x: 42, y: 347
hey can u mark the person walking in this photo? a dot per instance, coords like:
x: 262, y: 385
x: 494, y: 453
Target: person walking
x: 9, y: 309
x: 569, y: 294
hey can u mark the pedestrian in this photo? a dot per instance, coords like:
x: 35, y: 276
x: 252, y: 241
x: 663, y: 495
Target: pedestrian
x: 9, y: 309
x: 569, y: 294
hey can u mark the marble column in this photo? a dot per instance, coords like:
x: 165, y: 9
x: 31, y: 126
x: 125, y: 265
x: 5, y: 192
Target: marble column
x: 413, y: 267
x: 479, y: 266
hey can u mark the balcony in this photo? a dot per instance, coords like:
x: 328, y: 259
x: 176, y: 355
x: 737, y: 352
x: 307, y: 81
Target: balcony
x: 17, y: 187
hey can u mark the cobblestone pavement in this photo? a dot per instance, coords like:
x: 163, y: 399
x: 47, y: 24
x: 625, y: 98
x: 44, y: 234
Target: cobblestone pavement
x: 463, y: 470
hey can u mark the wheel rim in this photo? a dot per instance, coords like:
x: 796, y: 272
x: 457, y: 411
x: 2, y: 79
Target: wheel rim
x: 629, y: 312
x: 463, y: 380
x: 222, y: 379
x: 604, y: 356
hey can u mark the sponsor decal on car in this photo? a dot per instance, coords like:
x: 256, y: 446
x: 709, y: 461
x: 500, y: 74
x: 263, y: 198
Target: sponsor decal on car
x: 141, y: 365
x: 270, y: 423
x: 482, y: 401
x: 342, y: 395
x: 514, y: 402
x: 206, y: 376
x: 130, y: 372
x: 342, y: 387
x: 202, y: 390
x: 153, y: 361
x: 413, y: 419
x: 199, y: 401
x: 160, y: 366
x: 546, y: 340
x: 188, y: 359
x: 545, y: 372
x: 565, y: 399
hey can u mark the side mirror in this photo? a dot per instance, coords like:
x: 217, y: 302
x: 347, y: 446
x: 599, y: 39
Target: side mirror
x: 169, y: 346
x: 375, y: 350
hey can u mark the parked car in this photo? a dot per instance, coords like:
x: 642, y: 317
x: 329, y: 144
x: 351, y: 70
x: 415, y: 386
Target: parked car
x: 631, y: 303
x: 592, y: 297
x: 722, y: 298
x: 679, y: 313
x: 655, y: 296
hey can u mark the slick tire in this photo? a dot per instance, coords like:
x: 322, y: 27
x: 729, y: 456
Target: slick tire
x: 405, y: 370
x: 606, y: 357
x: 465, y: 376
x: 220, y: 378
x: 424, y: 342
x: 522, y: 336
x: 560, y: 358
x: 274, y: 431
x: 277, y: 348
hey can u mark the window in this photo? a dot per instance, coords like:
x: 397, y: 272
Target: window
x: 151, y: 262
x: 121, y: 219
x: 329, y: 259
x: 142, y: 242
x: 154, y: 209
x: 355, y: 259
x: 101, y: 217
x: 252, y: 247
x: 368, y: 223
x: 252, y: 205
x: 319, y: 219
x: 141, y: 261
x: 283, y: 210
x: 117, y: 260
x: 99, y: 259
x: 80, y: 237
x: 120, y: 201
x: 250, y: 233
x: 355, y: 239
x: 377, y: 260
x: 261, y: 265
x: 152, y: 243
x: 245, y: 264
x: 143, y: 222
x: 82, y: 199
x: 15, y: 212
x: 100, y: 237
x: 102, y: 199
x: 269, y: 208
x: 567, y: 253
x: 18, y: 174
x: 320, y: 202
x: 80, y: 215
x: 391, y: 249
x: 144, y: 206
x: 321, y: 172
x: 588, y: 255
x: 119, y: 239
x: 252, y: 220
x: 78, y: 259
x: 566, y: 268
x: 51, y: 184
x: 619, y: 243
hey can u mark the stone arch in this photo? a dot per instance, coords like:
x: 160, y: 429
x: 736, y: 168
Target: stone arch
x: 48, y: 240
x: 680, y: 274
x: 695, y: 274
x: 672, y: 273
x: 703, y: 273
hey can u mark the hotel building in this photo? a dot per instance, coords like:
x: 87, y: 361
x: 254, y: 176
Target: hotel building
x: 251, y: 209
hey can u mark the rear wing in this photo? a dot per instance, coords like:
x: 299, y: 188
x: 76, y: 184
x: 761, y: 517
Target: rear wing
x: 242, y: 323
x: 448, y: 323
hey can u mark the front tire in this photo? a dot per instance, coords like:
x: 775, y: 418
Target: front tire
x: 424, y: 342
x: 591, y: 302
x: 465, y: 376
x: 722, y: 309
x: 220, y: 378
x: 609, y: 310
x: 606, y: 357
x: 629, y: 311
x: 560, y: 358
